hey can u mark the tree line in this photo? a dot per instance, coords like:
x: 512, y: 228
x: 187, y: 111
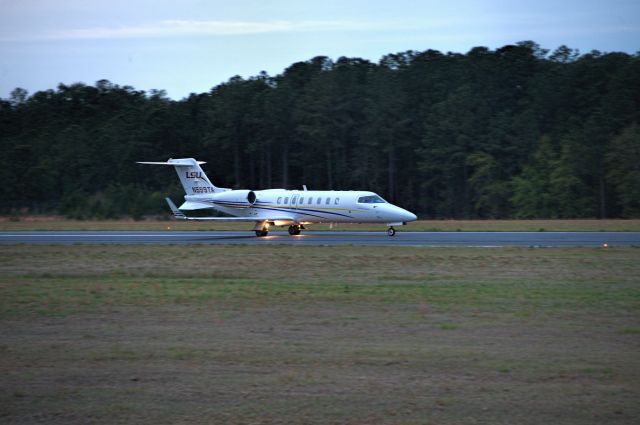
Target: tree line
x: 516, y: 132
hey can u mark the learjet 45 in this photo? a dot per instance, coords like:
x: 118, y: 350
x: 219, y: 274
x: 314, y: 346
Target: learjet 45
x: 280, y: 207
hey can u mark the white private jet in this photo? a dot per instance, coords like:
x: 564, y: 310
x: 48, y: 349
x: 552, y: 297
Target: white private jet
x: 280, y: 207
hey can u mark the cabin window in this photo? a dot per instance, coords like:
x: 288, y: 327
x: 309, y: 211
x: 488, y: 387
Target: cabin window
x: 310, y: 200
x: 336, y: 201
x: 319, y: 201
x: 328, y: 201
x: 279, y: 199
x: 286, y: 200
x: 301, y: 200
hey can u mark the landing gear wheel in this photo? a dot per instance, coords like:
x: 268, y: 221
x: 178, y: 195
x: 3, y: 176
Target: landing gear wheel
x: 261, y: 233
x: 294, y: 229
x: 391, y: 231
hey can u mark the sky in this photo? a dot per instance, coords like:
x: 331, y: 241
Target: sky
x: 190, y: 46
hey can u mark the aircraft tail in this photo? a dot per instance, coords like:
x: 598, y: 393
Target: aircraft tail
x: 193, y: 179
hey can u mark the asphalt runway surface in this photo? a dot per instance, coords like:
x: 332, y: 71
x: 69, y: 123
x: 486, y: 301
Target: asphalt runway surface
x: 471, y: 239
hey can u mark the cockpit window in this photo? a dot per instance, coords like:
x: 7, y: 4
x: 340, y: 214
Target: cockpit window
x: 370, y: 199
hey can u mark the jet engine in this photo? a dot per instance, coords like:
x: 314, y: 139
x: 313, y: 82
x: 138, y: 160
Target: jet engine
x: 238, y: 197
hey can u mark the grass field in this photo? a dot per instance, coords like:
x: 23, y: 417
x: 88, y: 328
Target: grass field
x: 59, y: 223
x: 353, y: 335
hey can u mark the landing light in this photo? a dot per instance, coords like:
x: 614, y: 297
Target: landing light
x: 605, y: 245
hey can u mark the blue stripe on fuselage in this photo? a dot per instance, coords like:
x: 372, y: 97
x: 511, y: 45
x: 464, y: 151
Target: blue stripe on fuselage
x: 289, y: 210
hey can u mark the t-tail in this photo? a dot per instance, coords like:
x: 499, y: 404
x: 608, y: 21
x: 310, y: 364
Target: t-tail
x: 193, y: 179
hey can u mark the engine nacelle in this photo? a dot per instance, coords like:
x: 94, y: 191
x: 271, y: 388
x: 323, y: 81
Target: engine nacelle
x: 236, y: 197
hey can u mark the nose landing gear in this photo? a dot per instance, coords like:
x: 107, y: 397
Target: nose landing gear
x: 391, y: 231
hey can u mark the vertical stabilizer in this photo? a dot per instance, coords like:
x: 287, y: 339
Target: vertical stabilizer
x: 193, y: 179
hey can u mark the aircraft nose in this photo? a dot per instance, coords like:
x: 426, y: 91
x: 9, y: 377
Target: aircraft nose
x: 409, y: 216
x: 403, y: 215
x: 395, y: 213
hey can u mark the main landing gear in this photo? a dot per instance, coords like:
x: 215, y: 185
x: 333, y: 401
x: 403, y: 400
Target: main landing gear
x: 294, y: 229
x: 391, y: 231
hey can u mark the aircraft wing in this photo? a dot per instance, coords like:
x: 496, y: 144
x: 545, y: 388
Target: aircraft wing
x: 180, y: 216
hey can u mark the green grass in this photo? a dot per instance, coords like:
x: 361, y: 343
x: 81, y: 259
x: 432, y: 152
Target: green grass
x: 61, y: 296
x: 262, y: 334
x: 54, y: 280
x: 631, y: 330
x: 449, y: 326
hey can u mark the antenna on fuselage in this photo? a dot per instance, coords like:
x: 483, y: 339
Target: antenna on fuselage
x: 304, y: 187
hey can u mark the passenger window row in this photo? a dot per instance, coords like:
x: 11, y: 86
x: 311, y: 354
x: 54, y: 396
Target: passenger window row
x: 300, y: 201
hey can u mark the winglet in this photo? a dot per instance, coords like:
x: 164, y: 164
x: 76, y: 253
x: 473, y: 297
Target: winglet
x: 176, y: 212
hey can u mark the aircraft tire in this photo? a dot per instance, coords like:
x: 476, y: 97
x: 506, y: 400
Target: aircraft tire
x: 261, y: 233
x: 391, y: 231
x: 294, y: 230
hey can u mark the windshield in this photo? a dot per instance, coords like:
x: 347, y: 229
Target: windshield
x: 370, y: 199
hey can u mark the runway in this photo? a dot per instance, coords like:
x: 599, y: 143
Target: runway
x: 470, y: 239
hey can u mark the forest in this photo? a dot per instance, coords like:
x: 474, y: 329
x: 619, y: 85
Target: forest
x: 515, y: 132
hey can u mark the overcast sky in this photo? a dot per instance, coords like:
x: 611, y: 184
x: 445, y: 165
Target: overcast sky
x: 189, y: 46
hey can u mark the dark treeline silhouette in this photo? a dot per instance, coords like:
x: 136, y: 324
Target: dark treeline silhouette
x: 512, y: 132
